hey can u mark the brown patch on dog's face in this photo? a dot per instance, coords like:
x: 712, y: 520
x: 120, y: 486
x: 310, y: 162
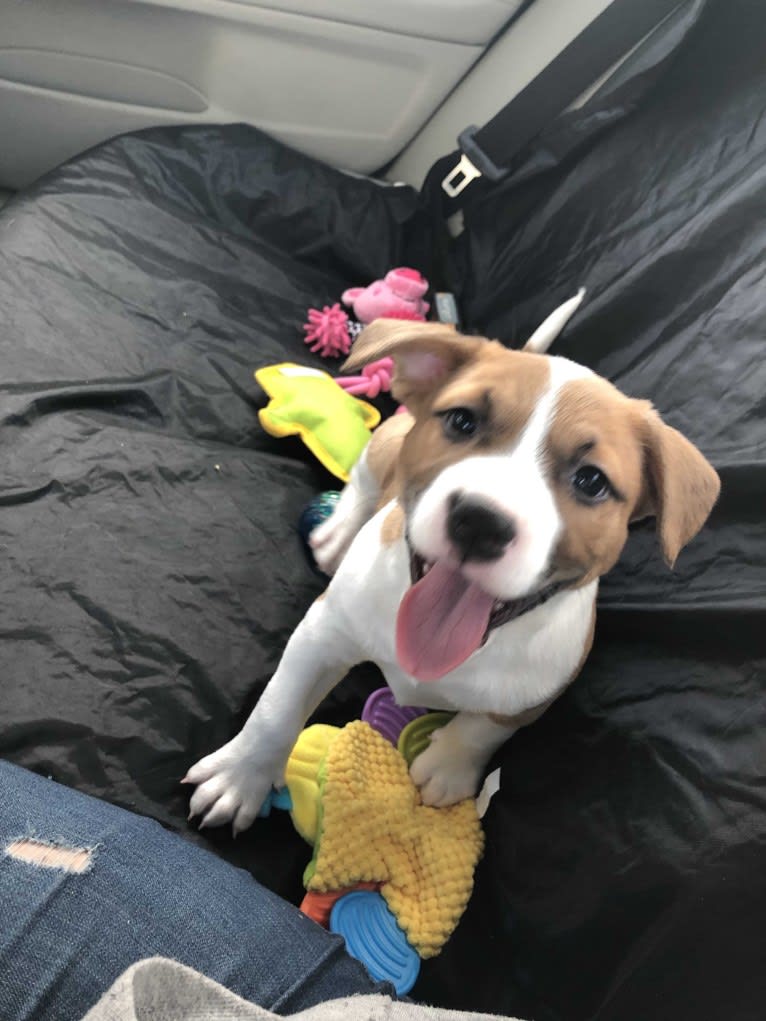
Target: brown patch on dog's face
x: 650, y: 468
x: 500, y: 387
x: 593, y: 425
x: 383, y: 453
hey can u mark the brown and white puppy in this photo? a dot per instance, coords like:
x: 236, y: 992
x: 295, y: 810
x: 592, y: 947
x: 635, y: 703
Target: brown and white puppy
x: 466, y: 552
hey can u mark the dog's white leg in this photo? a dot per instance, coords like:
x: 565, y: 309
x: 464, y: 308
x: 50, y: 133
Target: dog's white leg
x: 330, y: 540
x: 234, y: 781
x: 452, y: 766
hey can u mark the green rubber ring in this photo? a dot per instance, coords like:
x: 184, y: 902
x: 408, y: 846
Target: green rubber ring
x: 416, y: 736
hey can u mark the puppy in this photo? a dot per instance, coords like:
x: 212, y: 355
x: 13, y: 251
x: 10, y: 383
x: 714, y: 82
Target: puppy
x: 466, y: 551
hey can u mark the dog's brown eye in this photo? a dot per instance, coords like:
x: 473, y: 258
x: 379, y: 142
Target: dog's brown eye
x: 590, y: 484
x: 459, y: 424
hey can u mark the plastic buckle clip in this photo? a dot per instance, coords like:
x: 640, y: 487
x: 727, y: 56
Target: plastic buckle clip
x: 461, y: 175
x: 473, y: 163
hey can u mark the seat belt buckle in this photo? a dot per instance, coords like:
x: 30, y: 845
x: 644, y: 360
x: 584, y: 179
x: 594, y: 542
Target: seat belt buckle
x: 461, y: 175
x: 473, y: 163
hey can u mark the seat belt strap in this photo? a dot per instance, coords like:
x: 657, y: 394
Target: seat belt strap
x: 488, y: 151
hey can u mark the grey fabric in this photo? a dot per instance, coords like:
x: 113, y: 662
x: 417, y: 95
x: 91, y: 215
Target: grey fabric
x: 162, y: 990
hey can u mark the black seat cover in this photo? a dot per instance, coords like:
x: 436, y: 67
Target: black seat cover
x: 152, y: 573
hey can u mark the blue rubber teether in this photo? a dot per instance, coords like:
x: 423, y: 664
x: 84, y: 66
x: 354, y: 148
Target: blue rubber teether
x: 373, y: 937
x: 314, y: 513
x: 275, y: 799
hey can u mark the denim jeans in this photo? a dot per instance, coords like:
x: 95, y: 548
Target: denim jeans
x: 86, y: 889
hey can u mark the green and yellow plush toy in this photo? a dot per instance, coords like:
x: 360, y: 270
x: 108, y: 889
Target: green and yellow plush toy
x: 308, y: 403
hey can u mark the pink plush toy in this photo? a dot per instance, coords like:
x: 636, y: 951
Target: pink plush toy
x: 399, y: 295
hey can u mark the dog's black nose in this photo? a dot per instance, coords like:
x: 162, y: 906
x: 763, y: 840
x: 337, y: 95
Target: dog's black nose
x: 477, y: 530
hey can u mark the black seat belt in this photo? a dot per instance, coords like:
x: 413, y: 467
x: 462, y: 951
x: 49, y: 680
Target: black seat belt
x: 488, y: 151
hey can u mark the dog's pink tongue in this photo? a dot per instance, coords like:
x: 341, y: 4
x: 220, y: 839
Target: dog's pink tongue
x: 442, y: 620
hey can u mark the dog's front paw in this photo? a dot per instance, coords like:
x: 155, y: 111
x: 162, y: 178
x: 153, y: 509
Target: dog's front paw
x: 445, y: 772
x: 232, y: 786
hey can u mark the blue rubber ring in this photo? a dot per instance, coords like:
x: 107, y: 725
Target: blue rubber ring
x: 275, y: 799
x: 314, y: 514
x: 373, y: 936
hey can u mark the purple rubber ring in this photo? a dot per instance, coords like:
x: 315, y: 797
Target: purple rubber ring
x: 384, y: 715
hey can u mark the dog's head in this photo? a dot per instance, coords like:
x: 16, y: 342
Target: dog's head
x: 522, y: 471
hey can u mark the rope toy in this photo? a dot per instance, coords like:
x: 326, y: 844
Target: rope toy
x: 375, y: 379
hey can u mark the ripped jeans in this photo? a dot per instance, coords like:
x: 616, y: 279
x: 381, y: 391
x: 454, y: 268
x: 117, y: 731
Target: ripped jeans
x: 87, y: 889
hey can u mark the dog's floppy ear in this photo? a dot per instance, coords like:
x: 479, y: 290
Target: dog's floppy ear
x: 680, y: 486
x: 424, y: 354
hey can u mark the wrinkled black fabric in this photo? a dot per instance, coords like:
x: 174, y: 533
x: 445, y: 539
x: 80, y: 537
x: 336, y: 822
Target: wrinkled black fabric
x: 152, y: 569
x: 152, y: 572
